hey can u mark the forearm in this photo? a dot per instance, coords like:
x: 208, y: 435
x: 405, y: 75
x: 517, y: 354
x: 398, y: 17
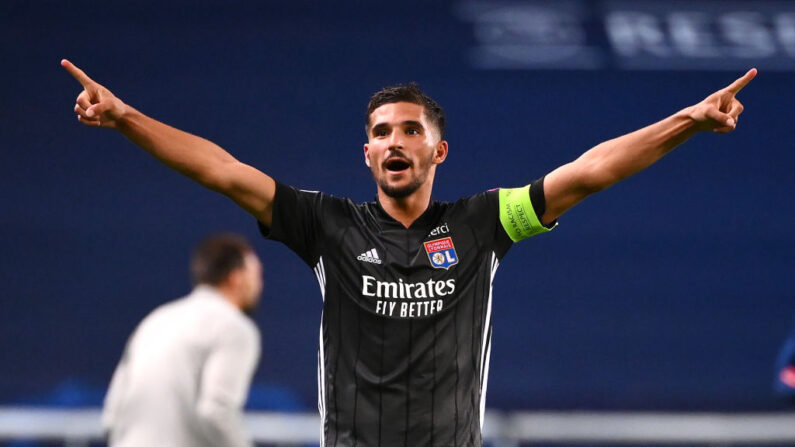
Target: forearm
x: 613, y: 161
x: 193, y: 156
x: 619, y: 158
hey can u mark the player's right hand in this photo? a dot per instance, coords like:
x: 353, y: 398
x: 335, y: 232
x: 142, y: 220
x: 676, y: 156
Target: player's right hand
x: 96, y: 106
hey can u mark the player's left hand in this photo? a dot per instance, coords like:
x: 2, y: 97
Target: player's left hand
x: 720, y: 110
x: 95, y: 106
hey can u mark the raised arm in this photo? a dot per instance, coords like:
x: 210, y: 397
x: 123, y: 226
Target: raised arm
x: 619, y: 158
x: 193, y: 156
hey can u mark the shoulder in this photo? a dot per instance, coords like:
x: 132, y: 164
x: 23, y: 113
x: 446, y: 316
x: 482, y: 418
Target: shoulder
x: 166, y: 311
x: 243, y: 327
x: 213, y: 312
x: 315, y: 199
x: 240, y: 334
x: 226, y: 326
x: 477, y: 203
x: 483, y: 196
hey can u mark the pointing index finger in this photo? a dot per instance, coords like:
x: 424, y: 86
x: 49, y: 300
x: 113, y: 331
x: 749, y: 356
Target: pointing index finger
x: 77, y: 73
x: 738, y: 85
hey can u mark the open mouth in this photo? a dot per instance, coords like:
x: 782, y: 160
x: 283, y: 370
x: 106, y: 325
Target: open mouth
x: 397, y: 164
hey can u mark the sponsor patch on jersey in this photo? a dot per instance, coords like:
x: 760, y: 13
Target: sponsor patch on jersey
x: 441, y: 253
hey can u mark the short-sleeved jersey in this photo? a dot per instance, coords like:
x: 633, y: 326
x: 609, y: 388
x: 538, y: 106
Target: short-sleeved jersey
x: 406, y: 324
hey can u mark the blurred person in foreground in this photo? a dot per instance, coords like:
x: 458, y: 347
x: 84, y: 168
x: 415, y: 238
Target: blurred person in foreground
x: 406, y: 281
x: 185, y: 373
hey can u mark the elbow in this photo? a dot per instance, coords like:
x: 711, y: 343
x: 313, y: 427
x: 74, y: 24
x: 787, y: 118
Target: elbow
x: 214, y: 184
x: 217, y: 179
x: 218, y: 418
x: 212, y: 413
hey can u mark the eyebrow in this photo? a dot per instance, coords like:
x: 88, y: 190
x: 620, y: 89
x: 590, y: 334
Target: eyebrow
x: 408, y: 123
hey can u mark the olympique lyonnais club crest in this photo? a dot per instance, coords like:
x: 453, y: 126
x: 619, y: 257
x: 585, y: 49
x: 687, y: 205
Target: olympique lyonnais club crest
x: 441, y: 253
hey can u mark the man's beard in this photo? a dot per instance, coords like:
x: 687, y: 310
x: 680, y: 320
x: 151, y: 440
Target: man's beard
x: 250, y: 309
x: 251, y: 304
x: 400, y: 192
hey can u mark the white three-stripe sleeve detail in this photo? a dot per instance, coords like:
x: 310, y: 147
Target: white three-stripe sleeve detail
x: 321, y: 384
x: 485, y: 383
x: 487, y: 322
x: 485, y: 349
x: 320, y: 272
x: 323, y: 275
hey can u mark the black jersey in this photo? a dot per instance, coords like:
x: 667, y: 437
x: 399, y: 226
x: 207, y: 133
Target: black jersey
x: 406, y: 322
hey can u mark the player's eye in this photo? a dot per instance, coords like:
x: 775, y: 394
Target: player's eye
x: 413, y: 131
x: 380, y: 132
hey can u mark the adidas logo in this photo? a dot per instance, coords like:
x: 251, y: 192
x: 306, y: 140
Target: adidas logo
x: 369, y: 256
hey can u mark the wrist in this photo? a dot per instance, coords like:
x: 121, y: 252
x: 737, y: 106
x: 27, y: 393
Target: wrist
x: 125, y: 117
x: 689, y: 119
x: 688, y: 114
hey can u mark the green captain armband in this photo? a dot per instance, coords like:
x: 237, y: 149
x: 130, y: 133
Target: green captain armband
x: 517, y: 215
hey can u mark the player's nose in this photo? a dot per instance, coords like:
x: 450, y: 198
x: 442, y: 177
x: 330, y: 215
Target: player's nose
x: 395, y: 141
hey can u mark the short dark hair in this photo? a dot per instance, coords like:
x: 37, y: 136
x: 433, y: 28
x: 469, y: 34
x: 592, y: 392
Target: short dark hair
x: 407, y: 93
x: 216, y: 257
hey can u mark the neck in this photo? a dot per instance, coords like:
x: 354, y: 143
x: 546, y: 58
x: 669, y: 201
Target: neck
x: 407, y: 209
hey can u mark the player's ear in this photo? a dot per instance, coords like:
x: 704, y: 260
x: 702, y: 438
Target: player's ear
x: 366, y: 155
x: 440, y: 153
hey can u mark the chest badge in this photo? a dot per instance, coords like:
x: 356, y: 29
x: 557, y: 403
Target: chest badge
x: 441, y: 253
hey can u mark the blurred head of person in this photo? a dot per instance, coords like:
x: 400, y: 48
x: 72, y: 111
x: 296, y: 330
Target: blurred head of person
x: 228, y: 263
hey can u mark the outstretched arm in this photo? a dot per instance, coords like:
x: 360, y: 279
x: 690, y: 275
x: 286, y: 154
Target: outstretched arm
x: 621, y: 157
x: 193, y: 156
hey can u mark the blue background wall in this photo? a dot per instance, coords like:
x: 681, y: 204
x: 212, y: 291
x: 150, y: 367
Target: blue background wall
x: 672, y: 290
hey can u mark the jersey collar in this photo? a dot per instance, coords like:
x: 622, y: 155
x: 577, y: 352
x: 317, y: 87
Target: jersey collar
x: 424, y: 220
